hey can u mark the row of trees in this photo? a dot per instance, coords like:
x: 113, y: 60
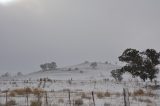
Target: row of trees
x: 53, y: 66
x: 138, y: 64
x: 48, y: 66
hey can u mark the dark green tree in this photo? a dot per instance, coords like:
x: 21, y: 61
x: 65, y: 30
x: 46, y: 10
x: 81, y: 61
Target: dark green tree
x: 140, y: 64
x: 150, y: 63
x: 117, y: 75
x: 94, y: 65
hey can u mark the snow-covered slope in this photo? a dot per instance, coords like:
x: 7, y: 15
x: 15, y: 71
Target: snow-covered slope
x: 81, y: 78
x: 81, y: 71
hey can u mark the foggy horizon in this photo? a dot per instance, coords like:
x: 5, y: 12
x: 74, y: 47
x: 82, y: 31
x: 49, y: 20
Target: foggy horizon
x: 69, y: 32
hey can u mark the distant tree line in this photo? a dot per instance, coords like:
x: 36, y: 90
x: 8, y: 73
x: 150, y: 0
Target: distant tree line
x: 48, y: 66
x: 138, y: 64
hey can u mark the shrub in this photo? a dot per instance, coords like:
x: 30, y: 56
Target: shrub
x: 94, y: 65
x: 12, y: 94
x: 139, y: 92
x: 23, y: 91
x: 11, y: 103
x: 60, y: 101
x: 107, y: 94
x: 55, y: 105
x: 36, y: 103
x: 1, y: 104
x: 37, y: 91
x: 81, y: 72
x: 85, y: 96
x: 100, y: 95
x: 76, y: 68
x: 150, y: 104
x: 78, y: 102
x: 150, y: 93
x: 107, y: 104
x: 69, y: 69
x: 144, y: 100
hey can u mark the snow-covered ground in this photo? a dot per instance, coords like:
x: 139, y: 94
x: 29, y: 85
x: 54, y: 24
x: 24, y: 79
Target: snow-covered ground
x: 81, y: 78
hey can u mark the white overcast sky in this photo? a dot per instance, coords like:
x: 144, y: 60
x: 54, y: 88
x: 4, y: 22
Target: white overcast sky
x: 72, y: 31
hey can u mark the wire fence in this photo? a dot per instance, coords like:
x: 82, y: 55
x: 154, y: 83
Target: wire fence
x: 68, y: 97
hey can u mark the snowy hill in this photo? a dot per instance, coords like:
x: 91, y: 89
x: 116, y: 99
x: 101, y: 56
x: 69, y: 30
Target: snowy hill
x: 79, y: 79
x: 81, y: 71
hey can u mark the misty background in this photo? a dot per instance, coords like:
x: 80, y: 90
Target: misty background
x: 33, y: 32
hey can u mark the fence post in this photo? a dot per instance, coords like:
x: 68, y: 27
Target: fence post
x: 6, y: 97
x: 46, y: 99
x: 69, y: 97
x: 27, y: 97
x: 93, y: 98
x: 126, y: 97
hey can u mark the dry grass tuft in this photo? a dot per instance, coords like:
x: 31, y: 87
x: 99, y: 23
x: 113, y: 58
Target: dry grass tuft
x: 139, y: 92
x: 85, y: 96
x: 23, y: 91
x: 11, y: 103
x: 78, y: 102
x: 107, y: 94
x: 144, y: 100
x: 150, y: 93
x: 118, y: 94
x: 100, y: 95
x: 36, y: 103
x: 12, y: 94
x: 60, y: 101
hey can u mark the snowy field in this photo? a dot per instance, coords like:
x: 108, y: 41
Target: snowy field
x: 74, y: 85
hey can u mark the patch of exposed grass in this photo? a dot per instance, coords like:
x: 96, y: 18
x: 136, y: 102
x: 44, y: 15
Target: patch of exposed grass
x: 139, y: 92
x: 23, y: 91
x: 100, y: 95
x: 78, y: 102
x: 107, y: 94
x: 36, y: 103
x: 85, y: 96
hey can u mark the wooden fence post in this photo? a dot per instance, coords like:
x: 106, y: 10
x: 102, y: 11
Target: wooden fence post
x: 46, y: 99
x: 6, y: 97
x: 93, y: 98
x: 126, y: 97
x: 69, y: 97
x: 27, y: 97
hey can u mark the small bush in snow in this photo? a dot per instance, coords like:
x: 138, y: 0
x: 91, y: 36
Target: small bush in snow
x: 78, y: 102
x: 12, y: 94
x: 11, y: 103
x: 60, y: 101
x: 107, y: 104
x: 151, y: 104
x: 150, y: 93
x: 100, y: 95
x: 94, y: 65
x: 76, y: 68
x: 81, y: 72
x: 23, y: 91
x: 139, y: 92
x: 37, y: 91
x: 144, y: 100
x: 117, y: 74
x: 107, y: 94
x: 85, y: 96
x: 69, y: 69
x: 36, y: 103
x: 55, y: 105
x: 118, y: 94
